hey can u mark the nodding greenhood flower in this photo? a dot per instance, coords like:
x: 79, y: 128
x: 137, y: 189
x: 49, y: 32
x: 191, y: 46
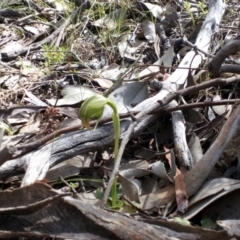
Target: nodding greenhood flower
x: 93, y: 107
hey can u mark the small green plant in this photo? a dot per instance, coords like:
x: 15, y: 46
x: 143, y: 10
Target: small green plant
x: 187, y: 6
x: 74, y: 185
x: 182, y: 221
x: 93, y: 107
x: 6, y: 128
x: 110, y: 24
x: 207, y: 223
x: 18, y: 31
x: 203, y: 7
x: 53, y: 55
x: 100, y: 194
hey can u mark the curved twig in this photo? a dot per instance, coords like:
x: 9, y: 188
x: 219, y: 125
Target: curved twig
x: 215, y: 66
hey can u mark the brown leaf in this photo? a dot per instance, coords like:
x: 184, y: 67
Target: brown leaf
x: 181, y: 194
x: 180, y: 187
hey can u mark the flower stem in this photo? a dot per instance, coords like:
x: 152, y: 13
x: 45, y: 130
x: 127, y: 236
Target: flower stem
x: 116, y: 124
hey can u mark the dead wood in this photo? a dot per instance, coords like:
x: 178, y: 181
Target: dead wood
x: 38, y: 162
x: 215, y: 66
x: 65, y: 217
x: 195, y: 177
x: 180, y: 143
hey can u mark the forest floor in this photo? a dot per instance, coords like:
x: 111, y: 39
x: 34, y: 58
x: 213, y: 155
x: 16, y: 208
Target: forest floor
x: 169, y: 70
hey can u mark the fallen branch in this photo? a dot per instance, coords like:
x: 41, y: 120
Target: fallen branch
x: 195, y: 177
x: 215, y: 66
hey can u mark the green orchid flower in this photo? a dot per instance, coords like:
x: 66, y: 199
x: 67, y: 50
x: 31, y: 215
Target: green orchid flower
x: 93, y: 107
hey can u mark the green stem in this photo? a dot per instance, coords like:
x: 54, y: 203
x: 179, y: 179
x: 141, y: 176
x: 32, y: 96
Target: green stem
x: 114, y: 193
x: 116, y: 124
